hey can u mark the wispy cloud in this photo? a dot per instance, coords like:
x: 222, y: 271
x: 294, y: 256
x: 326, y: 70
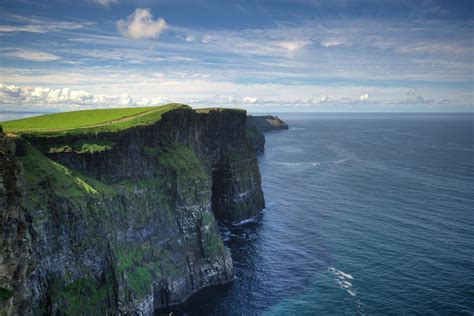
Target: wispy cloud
x: 329, y: 42
x: 37, y: 25
x: 105, y: 3
x: 31, y: 55
x: 140, y: 25
x: 293, y: 45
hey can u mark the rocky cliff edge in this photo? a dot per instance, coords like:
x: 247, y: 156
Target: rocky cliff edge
x: 96, y: 222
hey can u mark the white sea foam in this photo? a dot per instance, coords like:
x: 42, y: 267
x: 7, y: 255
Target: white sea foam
x: 245, y: 221
x: 352, y: 293
x: 346, y: 275
x: 339, y: 161
x: 341, y: 279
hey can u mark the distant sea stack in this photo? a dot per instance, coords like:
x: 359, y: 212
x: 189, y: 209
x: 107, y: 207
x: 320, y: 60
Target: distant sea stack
x: 256, y: 125
x: 119, y: 217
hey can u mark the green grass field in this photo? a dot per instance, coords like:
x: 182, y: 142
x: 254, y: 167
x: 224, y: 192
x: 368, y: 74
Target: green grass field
x: 102, y: 120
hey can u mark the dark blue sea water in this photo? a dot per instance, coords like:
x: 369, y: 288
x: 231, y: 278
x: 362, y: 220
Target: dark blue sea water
x: 366, y: 214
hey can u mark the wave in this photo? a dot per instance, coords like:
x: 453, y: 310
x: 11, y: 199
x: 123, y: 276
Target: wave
x: 245, y: 221
x: 341, y: 280
x: 340, y: 274
x: 352, y: 293
x: 339, y: 161
x: 346, y: 275
x: 347, y: 283
x: 298, y: 164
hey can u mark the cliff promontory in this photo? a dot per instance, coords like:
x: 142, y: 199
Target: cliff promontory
x: 257, y: 125
x: 106, y: 215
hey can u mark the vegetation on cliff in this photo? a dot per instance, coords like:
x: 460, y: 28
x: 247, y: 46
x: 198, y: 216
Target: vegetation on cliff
x: 89, y: 121
x: 43, y: 175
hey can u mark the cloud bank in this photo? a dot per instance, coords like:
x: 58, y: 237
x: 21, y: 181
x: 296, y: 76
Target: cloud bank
x: 47, y: 98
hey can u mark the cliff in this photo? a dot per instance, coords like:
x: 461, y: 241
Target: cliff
x: 257, y: 125
x: 95, y: 219
x: 266, y: 123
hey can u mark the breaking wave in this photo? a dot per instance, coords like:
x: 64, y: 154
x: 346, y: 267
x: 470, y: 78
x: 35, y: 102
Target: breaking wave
x: 342, y: 280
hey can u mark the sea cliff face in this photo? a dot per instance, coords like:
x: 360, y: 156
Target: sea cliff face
x: 97, y: 229
x: 257, y: 125
x: 266, y: 123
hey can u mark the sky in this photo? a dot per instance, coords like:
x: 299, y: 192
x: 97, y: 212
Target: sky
x: 300, y: 55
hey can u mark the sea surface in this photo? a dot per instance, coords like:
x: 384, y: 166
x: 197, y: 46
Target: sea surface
x: 367, y: 214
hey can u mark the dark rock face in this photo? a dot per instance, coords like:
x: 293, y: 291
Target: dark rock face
x: 100, y: 232
x: 257, y: 125
x: 15, y: 237
x: 267, y: 123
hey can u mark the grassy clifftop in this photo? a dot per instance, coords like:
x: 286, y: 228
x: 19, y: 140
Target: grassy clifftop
x: 86, y: 121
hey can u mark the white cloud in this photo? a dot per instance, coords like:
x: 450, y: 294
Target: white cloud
x: 412, y: 96
x: 332, y: 42
x: 206, y: 39
x: 140, y: 24
x: 249, y: 100
x: 293, y: 45
x: 324, y: 98
x: 32, y: 55
x: 152, y: 101
x: 39, y: 97
x: 364, y: 97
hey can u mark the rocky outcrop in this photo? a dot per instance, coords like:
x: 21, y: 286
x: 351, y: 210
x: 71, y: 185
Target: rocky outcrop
x: 257, y: 125
x: 15, y: 237
x: 101, y: 231
x: 266, y: 123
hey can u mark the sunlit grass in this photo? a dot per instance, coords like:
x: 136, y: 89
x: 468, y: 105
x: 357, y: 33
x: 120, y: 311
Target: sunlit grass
x: 101, y: 120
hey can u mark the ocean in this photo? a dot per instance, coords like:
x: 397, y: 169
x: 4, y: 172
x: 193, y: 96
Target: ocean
x: 367, y: 214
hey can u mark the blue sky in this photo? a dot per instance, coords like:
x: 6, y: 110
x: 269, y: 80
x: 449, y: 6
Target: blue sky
x: 261, y: 55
